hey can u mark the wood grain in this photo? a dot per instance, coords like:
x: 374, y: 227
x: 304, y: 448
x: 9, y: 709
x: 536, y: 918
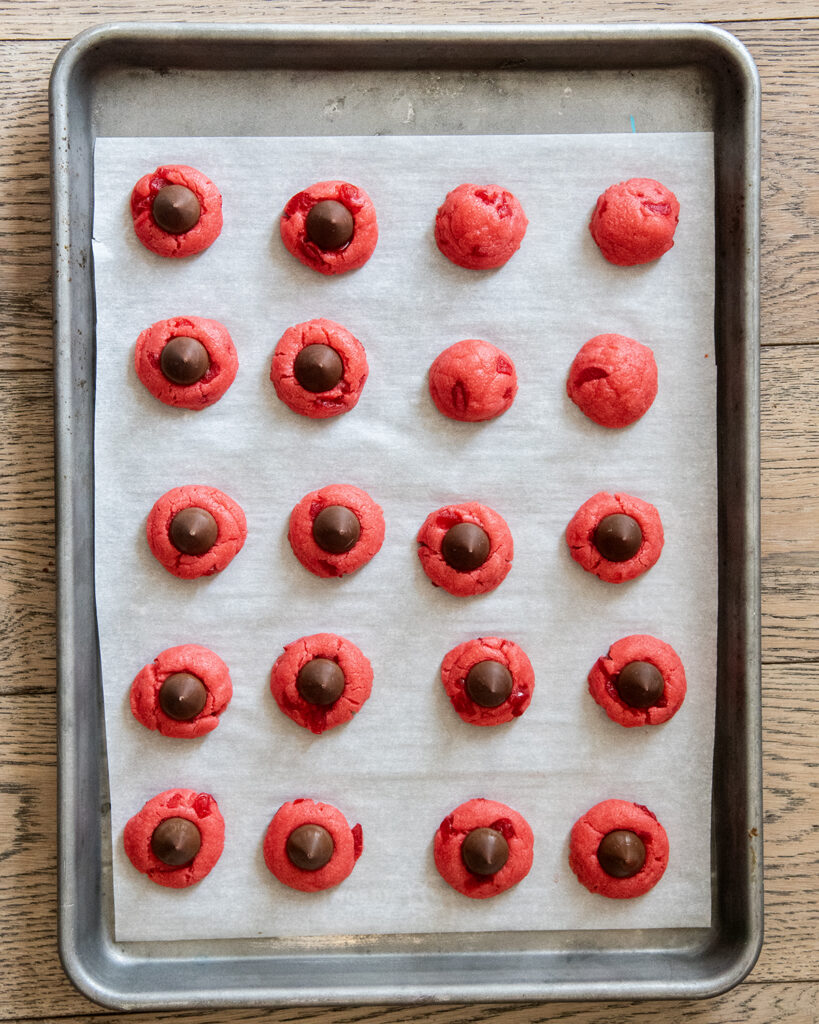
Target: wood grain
x: 790, y: 502
x: 25, y: 232
x: 751, y: 1004
x: 61, y: 19
x: 787, y: 54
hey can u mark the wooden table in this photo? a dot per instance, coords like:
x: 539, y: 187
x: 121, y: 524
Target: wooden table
x: 783, y: 37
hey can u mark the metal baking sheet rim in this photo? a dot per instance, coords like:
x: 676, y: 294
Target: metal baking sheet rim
x: 565, y: 965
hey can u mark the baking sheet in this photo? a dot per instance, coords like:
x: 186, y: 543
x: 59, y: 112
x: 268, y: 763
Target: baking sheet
x: 407, y: 760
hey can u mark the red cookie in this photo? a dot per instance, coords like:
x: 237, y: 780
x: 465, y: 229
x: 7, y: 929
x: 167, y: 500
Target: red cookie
x: 580, y: 536
x: 640, y: 649
x: 613, y: 380
x: 483, y: 814
x: 206, y: 228
x: 344, y: 391
x: 473, y: 381
x: 190, y: 660
x: 493, y: 705
x: 350, y: 255
x: 634, y: 222
x: 614, y: 816
x: 219, y: 370
x: 327, y: 709
x: 480, y: 226
x: 347, y: 844
x: 230, y: 530
x: 199, y: 808
x: 465, y: 582
x: 355, y: 552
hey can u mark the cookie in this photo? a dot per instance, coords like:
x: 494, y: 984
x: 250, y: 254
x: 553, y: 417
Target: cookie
x: 618, y: 849
x: 177, y: 211
x: 615, y: 536
x: 613, y: 380
x: 319, y: 369
x: 182, y: 692
x: 186, y: 361
x: 472, y: 381
x: 195, y: 530
x: 321, y: 681
x: 641, y: 681
x: 309, y: 846
x: 467, y: 549
x: 483, y: 848
x: 488, y: 680
x: 634, y: 222
x: 330, y: 227
x: 480, y: 227
x: 176, y: 838
x: 336, y: 530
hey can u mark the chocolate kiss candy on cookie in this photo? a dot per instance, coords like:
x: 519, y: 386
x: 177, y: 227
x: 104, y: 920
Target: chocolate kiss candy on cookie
x: 640, y: 684
x: 621, y: 853
x: 618, y: 537
x: 182, y: 696
x: 489, y: 683
x: 329, y: 225
x: 309, y: 847
x: 465, y: 547
x: 321, y: 681
x: 193, y: 531
x: 184, y: 360
x: 176, y: 209
x: 318, y: 368
x: 484, y: 851
x: 176, y: 841
x: 336, y: 529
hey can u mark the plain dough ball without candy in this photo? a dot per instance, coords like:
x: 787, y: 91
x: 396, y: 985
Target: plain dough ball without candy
x: 480, y: 227
x: 613, y: 380
x: 634, y: 222
x: 472, y: 381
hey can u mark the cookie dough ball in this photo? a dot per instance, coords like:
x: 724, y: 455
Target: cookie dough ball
x: 195, y: 531
x: 615, y: 536
x: 480, y: 227
x: 182, y: 692
x: 473, y: 381
x: 613, y: 380
x: 483, y: 848
x: 618, y: 849
x: 634, y: 222
x: 319, y: 369
x: 467, y: 549
x: 187, y: 361
x: 176, y: 838
x: 336, y: 530
x: 177, y: 211
x: 330, y: 227
x: 321, y: 681
x: 641, y: 681
x: 489, y: 680
x: 310, y: 847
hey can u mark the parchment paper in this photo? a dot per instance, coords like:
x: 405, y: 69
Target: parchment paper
x: 407, y: 759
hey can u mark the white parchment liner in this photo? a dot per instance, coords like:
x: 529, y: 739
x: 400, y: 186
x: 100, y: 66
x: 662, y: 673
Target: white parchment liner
x: 407, y: 759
